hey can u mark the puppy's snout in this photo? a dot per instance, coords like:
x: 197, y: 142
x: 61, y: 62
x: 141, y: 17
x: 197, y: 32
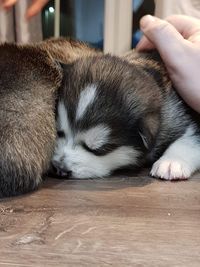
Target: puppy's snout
x: 56, y: 164
x: 60, y: 170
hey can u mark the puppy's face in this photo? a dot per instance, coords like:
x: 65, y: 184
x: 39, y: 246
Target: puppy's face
x: 99, y: 119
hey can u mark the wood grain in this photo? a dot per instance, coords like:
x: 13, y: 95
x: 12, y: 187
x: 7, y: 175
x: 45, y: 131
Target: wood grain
x: 118, y: 221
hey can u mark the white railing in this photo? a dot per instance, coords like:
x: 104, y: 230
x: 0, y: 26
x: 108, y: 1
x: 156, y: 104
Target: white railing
x: 117, y: 25
x: 57, y: 19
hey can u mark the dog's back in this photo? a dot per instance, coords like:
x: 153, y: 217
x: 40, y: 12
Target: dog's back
x: 28, y: 82
x: 67, y: 50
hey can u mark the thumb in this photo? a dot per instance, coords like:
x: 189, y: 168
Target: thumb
x: 166, y: 39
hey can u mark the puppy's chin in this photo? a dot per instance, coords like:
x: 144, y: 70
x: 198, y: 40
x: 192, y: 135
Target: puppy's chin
x: 54, y: 173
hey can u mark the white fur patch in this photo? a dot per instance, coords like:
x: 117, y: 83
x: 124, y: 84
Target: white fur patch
x: 63, y: 121
x: 84, y: 164
x: 87, y: 97
x: 180, y: 160
x: 95, y: 137
x: 71, y: 156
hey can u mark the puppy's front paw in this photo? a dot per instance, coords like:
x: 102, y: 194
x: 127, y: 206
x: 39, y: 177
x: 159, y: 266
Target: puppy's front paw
x: 171, y: 169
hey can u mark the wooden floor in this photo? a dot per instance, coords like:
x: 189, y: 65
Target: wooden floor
x: 119, y: 221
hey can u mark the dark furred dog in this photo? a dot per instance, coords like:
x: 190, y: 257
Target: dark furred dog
x: 122, y: 112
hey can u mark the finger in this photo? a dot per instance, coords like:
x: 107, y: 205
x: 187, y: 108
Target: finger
x: 144, y: 44
x: 188, y: 27
x: 8, y: 3
x: 35, y: 8
x: 164, y: 36
x: 185, y: 25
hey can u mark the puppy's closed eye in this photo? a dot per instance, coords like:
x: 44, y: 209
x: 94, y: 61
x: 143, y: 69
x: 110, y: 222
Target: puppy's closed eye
x: 105, y: 149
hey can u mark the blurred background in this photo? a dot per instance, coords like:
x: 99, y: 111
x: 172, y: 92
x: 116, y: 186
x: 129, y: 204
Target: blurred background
x: 84, y: 19
x: 110, y: 25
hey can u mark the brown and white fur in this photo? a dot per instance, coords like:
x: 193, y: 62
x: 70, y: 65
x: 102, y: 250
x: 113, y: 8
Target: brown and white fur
x: 29, y: 80
x: 124, y: 112
x: 112, y: 113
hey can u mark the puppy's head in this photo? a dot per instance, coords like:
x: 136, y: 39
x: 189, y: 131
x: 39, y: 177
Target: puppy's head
x: 101, y: 118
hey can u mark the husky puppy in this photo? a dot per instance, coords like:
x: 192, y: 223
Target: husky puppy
x: 124, y: 112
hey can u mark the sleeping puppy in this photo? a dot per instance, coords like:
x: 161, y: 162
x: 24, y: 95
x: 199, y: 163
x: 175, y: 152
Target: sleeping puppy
x: 116, y: 113
x: 112, y: 113
x: 29, y: 80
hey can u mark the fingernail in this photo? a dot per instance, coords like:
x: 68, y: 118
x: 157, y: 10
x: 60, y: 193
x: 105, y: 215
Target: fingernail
x: 146, y: 20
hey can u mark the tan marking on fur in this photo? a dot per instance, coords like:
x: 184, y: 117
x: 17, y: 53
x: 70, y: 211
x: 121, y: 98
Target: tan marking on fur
x: 68, y: 50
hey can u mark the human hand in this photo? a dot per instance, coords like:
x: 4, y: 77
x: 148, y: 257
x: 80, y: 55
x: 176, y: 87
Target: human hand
x: 32, y: 10
x: 178, y: 41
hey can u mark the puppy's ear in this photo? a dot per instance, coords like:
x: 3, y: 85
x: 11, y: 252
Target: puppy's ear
x: 61, y: 65
x: 65, y: 69
x: 148, y: 127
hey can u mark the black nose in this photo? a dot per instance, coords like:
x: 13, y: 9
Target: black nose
x: 60, y: 170
x: 65, y: 174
